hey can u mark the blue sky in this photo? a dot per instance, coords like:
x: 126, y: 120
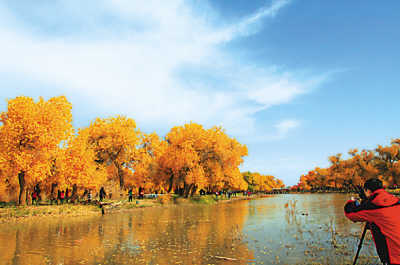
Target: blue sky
x: 296, y: 81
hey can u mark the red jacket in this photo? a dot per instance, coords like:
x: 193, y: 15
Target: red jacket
x: 382, y: 212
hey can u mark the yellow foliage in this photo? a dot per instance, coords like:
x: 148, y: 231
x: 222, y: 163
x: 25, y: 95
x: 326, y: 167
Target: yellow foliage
x: 259, y: 182
x: 31, y: 135
x: 76, y: 165
x: 38, y: 146
x: 114, y: 141
x: 200, y: 158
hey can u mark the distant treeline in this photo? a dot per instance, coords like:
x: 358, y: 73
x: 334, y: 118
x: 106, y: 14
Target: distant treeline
x: 343, y: 174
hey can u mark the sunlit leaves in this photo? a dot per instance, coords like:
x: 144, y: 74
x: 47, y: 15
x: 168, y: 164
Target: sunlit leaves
x: 383, y: 162
x: 114, y: 142
x: 201, y: 158
x: 259, y: 182
x: 31, y: 136
x: 76, y: 165
x: 38, y: 145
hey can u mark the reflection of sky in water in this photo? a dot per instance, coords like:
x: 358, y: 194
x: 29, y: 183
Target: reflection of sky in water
x: 311, y: 228
x: 259, y: 231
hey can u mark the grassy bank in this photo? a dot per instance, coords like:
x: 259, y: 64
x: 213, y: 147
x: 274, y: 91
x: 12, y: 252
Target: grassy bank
x: 12, y: 213
x: 395, y: 191
x: 15, y: 213
x: 18, y: 213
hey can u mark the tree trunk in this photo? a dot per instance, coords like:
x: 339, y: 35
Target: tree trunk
x: 186, y: 189
x: 171, y: 182
x: 189, y: 190
x: 27, y: 196
x: 120, y: 175
x: 194, y: 189
x: 21, y: 181
x: 179, y: 190
x: 74, y: 195
x: 52, y: 197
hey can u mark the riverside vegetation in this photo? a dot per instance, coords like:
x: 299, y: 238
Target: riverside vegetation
x: 343, y: 174
x: 43, y: 155
x: 10, y: 212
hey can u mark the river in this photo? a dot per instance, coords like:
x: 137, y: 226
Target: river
x: 280, y: 229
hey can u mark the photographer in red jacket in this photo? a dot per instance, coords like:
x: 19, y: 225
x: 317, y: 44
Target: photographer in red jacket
x: 382, y: 212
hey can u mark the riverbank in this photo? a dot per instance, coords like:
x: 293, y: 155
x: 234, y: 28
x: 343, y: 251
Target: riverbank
x: 10, y: 214
x: 311, y: 229
x: 392, y: 191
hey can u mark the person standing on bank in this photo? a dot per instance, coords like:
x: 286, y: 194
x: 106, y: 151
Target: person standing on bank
x: 62, y: 196
x: 89, y: 196
x: 102, y: 194
x: 382, y: 212
x: 130, y: 193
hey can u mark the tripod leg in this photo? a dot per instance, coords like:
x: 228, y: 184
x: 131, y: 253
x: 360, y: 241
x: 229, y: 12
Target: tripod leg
x: 360, y: 244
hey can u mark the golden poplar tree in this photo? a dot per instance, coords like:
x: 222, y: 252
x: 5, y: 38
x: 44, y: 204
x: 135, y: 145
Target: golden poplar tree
x: 145, y: 165
x: 30, y: 137
x: 196, y: 158
x: 76, y: 166
x: 114, y: 141
x: 387, y: 162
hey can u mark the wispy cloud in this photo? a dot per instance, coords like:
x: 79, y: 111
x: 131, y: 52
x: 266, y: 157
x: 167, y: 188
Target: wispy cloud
x: 285, y: 126
x: 162, y: 62
x: 276, y: 132
x: 248, y: 25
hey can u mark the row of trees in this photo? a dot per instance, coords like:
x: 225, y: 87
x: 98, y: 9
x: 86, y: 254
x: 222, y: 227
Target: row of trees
x: 39, y: 146
x: 259, y: 182
x: 383, y: 162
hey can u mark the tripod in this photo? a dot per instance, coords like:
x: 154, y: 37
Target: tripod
x: 360, y: 243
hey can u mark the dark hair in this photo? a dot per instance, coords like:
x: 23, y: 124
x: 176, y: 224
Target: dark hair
x: 373, y: 184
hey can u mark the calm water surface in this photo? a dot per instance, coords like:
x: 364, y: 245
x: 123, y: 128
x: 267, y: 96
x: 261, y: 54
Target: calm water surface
x: 281, y: 229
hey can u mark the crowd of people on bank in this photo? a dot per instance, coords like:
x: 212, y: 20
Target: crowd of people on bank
x: 67, y: 196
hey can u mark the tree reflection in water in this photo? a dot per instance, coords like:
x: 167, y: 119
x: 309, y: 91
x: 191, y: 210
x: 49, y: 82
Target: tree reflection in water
x: 177, y: 234
x: 280, y: 229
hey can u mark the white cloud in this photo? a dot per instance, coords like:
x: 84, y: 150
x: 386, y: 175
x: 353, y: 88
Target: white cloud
x: 277, y: 132
x: 285, y: 126
x: 126, y: 57
x: 249, y: 25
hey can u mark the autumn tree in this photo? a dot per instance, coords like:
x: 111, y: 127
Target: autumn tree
x: 146, y: 170
x: 260, y: 182
x: 114, y: 141
x: 30, y: 137
x: 336, y: 170
x: 198, y: 158
x: 76, y: 166
x: 360, y: 166
x: 8, y: 185
x: 221, y: 159
x: 250, y: 180
x: 387, y: 162
x: 179, y: 166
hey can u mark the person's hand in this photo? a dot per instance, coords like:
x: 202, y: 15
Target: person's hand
x: 351, y: 206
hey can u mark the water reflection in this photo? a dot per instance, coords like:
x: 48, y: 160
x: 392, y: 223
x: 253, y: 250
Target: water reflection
x: 281, y: 229
x: 174, y: 235
x: 305, y: 229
